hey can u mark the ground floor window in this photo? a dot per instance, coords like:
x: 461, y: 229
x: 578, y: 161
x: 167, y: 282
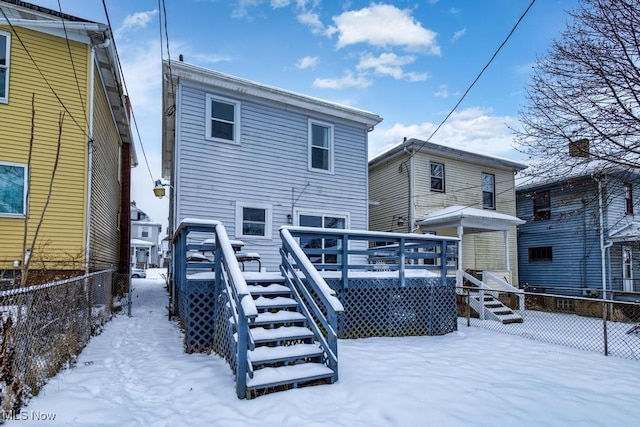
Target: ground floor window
x: 253, y: 220
x: 13, y: 189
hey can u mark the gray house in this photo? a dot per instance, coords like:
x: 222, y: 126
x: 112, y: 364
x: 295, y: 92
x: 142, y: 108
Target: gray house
x: 256, y: 157
x: 145, y: 250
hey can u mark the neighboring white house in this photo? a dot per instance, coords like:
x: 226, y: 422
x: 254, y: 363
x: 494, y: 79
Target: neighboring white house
x: 256, y: 157
x: 145, y: 250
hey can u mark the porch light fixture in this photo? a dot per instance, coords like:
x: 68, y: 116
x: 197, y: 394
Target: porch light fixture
x: 400, y: 221
x: 289, y: 219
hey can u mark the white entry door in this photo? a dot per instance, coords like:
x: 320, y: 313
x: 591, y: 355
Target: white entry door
x: 627, y: 269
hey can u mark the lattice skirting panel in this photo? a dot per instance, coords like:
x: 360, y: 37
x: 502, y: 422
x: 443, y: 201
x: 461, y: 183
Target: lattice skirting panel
x: 380, y: 307
x: 196, y: 308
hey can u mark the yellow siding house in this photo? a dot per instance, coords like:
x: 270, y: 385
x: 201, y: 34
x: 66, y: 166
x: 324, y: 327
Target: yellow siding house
x: 56, y: 68
x: 422, y: 187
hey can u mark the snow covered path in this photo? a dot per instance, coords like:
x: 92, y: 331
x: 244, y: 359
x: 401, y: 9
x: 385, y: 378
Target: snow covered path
x: 136, y: 374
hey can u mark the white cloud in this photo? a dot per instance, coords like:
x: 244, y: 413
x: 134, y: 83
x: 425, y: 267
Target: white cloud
x: 390, y: 64
x: 443, y: 92
x: 277, y: 4
x: 474, y: 129
x: 383, y: 26
x: 137, y: 20
x: 347, y: 80
x: 312, y: 20
x: 307, y: 62
x: 242, y: 7
x: 458, y: 34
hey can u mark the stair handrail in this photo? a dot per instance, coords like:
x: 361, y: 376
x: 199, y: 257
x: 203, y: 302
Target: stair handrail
x: 295, y: 264
x: 518, y: 292
x: 243, y: 307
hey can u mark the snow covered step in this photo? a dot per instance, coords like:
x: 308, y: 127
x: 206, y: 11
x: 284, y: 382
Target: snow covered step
x: 268, y: 318
x: 272, y: 289
x: 511, y: 318
x: 263, y: 303
x: 262, y: 355
x: 291, y: 374
x: 262, y: 335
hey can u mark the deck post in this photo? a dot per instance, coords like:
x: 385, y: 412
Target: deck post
x: 345, y: 260
x: 401, y: 261
x: 241, y: 352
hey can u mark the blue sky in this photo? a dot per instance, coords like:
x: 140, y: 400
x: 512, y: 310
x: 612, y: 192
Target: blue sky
x: 407, y: 61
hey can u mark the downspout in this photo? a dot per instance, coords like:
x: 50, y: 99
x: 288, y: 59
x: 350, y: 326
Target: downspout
x: 87, y: 243
x: 603, y: 263
x: 411, y: 189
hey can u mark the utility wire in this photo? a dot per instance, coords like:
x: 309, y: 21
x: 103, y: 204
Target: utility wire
x: 35, y: 64
x: 455, y: 107
x: 135, y: 122
x: 73, y: 65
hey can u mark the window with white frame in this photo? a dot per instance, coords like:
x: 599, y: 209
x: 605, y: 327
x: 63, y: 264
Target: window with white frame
x: 320, y: 146
x: 437, y: 176
x: 223, y: 119
x: 144, y: 231
x: 253, y: 220
x: 311, y: 244
x: 488, y: 191
x: 5, y: 44
x: 13, y: 189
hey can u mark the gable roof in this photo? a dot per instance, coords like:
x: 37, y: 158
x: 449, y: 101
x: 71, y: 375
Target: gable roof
x: 447, y: 152
x: 177, y: 70
x: 628, y: 233
x: 472, y: 219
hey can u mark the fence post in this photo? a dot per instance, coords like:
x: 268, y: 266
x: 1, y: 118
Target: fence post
x: 604, y: 327
x: 401, y: 260
x: 468, y: 306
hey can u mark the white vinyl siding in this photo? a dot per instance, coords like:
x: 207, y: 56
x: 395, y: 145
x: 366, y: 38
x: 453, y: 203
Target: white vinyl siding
x: 5, y: 49
x: 222, y: 119
x: 13, y: 189
x: 271, y: 165
x: 320, y: 146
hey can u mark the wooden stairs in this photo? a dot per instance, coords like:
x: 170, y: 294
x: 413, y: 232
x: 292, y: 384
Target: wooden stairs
x: 492, y: 308
x: 283, y: 351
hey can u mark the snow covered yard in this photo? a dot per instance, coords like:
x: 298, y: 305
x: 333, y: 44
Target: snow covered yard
x: 136, y: 374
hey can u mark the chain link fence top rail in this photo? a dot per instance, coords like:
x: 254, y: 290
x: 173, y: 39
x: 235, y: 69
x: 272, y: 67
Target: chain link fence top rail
x: 44, y: 327
x: 608, y: 327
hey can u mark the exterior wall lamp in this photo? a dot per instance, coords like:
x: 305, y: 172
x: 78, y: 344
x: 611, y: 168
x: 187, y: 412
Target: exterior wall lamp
x: 289, y: 219
x: 159, y: 189
x: 400, y: 221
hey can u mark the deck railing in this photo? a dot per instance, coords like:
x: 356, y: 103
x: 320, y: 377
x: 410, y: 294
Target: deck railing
x: 318, y: 302
x: 352, y: 251
x: 230, y: 287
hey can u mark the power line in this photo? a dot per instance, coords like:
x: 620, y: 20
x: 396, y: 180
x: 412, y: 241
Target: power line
x: 35, y: 64
x: 473, y: 83
x: 135, y: 122
x: 73, y: 65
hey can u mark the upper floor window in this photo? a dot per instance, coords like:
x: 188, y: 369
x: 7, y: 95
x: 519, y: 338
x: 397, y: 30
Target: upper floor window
x: 628, y: 198
x: 144, y: 232
x: 541, y: 205
x: 253, y: 220
x: 5, y: 40
x: 488, y: 191
x: 13, y: 189
x: 223, y: 119
x: 437, y: 176
x: 320, y: 146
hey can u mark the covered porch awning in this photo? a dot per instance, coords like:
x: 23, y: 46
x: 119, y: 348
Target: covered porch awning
x: 628, y: 233
x: 138, y: 243
x: 470, y: 220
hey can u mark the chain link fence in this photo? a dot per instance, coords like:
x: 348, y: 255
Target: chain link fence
x: 608, y: 327
x: 44, y: 327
